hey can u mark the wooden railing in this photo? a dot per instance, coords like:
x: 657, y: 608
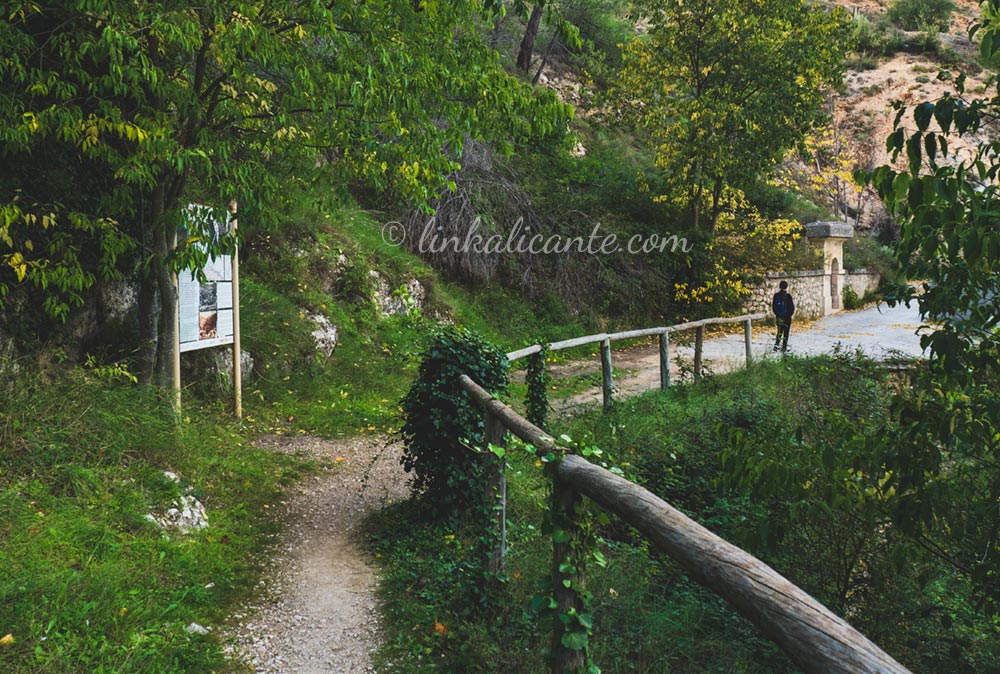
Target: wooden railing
x: 815, y: 638
x: 663, y: 333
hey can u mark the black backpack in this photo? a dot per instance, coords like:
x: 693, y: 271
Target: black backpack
x: 780, y: 304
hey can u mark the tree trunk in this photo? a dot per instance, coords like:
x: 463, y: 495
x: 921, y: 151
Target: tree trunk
x: 545, y: 59
x: 716, y: 203
x: 164, y: 242
x: 148, y: 316
x: 167, y: 342
x: 530, y: 34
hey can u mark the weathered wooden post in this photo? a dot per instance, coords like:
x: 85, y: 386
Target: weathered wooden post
x: 237, y: 362
x: 495, y: 431
x: 608, y: 383
x: 566, y: 574
x: 699, y: 340
x: 747, y: 337
x: 664, y: 360
x: 537, y: 400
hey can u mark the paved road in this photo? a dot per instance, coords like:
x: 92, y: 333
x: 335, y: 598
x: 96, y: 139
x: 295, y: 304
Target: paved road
x: 879, y: 332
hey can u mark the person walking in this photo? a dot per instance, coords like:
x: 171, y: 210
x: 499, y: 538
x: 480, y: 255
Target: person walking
x: 783, y: 306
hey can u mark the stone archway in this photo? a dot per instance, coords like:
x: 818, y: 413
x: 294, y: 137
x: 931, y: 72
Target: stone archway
x: 829, y: 237
x: 835, y: 284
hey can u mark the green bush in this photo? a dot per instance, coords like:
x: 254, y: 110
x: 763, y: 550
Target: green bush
x: 851, y: 299
x: 872, y: 39
x: 865, y: 252
x: 921, y: 14
x: 442, y: 421
x: 924, y: 42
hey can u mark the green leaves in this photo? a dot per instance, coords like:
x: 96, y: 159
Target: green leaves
x: 439, y: 415
x: 233, y: 101
x: 727, y: 88
x: 923, y: 114
x: 941, y: 463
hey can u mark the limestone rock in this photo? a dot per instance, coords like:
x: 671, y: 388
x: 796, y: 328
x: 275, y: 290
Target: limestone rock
x: 406, y: 299
x: 325, y: 334
x: 187, y: 513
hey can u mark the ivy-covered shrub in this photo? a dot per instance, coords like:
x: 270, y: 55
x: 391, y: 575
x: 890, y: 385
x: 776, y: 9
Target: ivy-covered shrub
x: 442, y: 421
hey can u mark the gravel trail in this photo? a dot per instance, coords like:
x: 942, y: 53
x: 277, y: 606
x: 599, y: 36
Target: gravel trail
x: 318, y: 614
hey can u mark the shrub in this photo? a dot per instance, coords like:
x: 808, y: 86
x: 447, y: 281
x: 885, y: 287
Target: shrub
x: 851, y: 299
x: 921, y: 14
x: 872, y: 39
x: 924, y: 42
x: 865, y: 252
x: 442, y: 422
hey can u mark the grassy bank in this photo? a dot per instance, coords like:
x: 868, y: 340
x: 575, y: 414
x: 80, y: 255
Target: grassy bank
x: 89, y: 582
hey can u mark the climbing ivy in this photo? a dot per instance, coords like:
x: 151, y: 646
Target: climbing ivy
x: 442, y: 421
x: 563, y: 596
x: 537, y: 379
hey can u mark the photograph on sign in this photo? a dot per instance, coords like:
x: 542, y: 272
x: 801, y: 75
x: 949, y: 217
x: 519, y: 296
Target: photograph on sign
x: 208, y: 311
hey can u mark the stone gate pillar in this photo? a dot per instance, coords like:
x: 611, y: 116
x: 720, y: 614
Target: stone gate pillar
x: 829, y: 237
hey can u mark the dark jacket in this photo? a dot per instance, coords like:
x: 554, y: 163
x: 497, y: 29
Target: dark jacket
x: 783, y: 299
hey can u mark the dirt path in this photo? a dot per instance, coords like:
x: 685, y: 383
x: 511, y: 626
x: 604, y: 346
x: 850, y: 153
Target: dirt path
x: 877, y: 331
x: 319, y: 614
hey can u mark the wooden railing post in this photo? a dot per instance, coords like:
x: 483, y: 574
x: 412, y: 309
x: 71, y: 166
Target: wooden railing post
x: 537, y: 399
x: 747, y: 337
x: 495, y: 431
x: 699, y: 341
x: 566, y: 570
x: 664, y: 360
x: 608, y: 382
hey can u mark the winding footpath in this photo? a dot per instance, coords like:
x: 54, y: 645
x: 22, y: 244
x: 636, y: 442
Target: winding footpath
x: 318, y: 613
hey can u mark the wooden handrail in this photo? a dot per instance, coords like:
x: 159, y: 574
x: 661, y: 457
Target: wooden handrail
x: 663, y: 332
x: 631, y: 334
x: 815, y: 638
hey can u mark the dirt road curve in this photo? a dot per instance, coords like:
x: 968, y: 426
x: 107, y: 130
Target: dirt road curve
x: 879, y: 332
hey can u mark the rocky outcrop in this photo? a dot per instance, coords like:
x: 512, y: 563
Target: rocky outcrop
x: 325, y: 334
x: 404, y: 300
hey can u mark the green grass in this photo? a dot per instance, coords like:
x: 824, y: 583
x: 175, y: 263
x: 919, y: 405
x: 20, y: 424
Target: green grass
x: 89, y: 583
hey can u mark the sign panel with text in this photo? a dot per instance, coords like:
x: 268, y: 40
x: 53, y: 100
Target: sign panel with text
x: 206, y: 307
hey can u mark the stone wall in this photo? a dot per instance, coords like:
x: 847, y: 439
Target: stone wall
x: 807, y: 288
x: 862, y: 281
